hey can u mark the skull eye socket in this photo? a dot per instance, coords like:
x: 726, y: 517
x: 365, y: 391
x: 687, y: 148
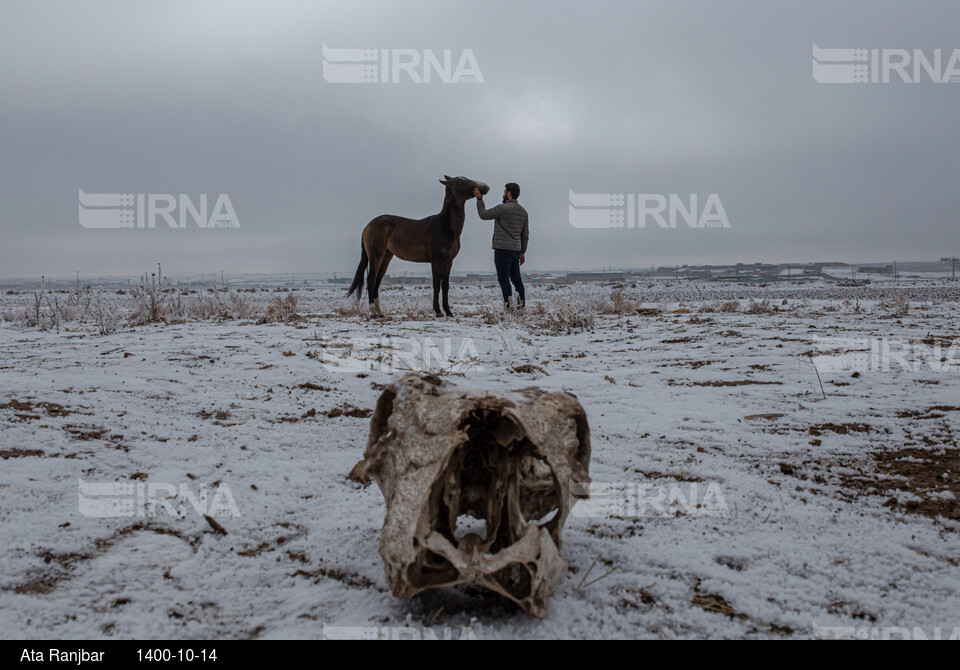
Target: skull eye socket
x: 516, y: 579
x: 432, y: 568
x: 538, y: 493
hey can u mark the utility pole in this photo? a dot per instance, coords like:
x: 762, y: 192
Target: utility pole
x: 221, y: 279
x: 953, y: 268
x: 78, y: 280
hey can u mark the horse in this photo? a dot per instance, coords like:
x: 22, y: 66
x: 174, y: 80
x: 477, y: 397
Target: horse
x: 434, y: 240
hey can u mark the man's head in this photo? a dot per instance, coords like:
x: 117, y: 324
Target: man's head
x: 511, y: 191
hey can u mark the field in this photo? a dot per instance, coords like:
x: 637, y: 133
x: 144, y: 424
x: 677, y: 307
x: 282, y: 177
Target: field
x: 823, y: 420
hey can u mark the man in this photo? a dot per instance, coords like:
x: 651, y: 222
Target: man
x: 510, y: 234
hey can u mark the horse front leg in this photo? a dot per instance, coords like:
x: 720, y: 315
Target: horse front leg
x: 445, y: 285
x: 435, y: 267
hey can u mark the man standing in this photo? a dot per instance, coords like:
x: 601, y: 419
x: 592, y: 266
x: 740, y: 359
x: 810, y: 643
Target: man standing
x: 510, y: 234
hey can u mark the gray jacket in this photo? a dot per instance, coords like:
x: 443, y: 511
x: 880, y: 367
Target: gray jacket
x: 510, y: 231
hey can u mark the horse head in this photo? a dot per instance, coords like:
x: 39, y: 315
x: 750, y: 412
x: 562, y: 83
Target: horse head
x: 461, y: 188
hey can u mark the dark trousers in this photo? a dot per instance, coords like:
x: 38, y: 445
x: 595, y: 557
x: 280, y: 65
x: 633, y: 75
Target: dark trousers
x: 508, y: 270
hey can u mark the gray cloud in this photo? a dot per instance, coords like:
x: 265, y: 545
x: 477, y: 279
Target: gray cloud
x: 623, y: 97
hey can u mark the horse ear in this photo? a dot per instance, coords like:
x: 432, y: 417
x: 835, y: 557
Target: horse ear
x: 447, y: 177
x: 445, y: 183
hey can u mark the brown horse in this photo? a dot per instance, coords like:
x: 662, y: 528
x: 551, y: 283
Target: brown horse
x: 434, y: 240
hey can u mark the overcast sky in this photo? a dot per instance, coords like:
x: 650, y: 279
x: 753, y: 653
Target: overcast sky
x: 627, y: 97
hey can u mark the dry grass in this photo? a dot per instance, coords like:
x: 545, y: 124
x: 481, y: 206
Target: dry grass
x: 282, y: 308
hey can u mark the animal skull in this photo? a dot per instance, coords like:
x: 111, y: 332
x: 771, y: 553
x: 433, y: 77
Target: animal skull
x: 441, y: 453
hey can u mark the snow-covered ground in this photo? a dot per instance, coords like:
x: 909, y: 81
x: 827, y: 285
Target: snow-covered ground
x: 838, y: 471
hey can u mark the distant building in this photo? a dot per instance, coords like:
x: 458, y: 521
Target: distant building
x: 472, y: 278
x: 876, y: 269
x: 593, y: 276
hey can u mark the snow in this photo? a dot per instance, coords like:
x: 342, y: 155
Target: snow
x: 223, y: 402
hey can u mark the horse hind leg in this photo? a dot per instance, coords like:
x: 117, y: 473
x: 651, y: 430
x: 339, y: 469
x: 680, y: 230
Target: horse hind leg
x: 373, y: 284
x: 381, y: 273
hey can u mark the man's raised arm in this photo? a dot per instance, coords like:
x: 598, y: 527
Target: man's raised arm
x: 483, y: 212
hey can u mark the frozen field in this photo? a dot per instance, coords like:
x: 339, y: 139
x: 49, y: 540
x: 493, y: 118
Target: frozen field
x: 826, y: 417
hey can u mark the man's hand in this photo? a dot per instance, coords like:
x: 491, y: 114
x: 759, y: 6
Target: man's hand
x: 523, y: 259
x: 477, y: 194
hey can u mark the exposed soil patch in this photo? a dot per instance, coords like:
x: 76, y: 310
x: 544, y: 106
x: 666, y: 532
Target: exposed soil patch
x: 935, y: 412
x: 633, y: 598
x: 26, y: 411
x: 309, y: 414
x: 694, y: 364
x: 737, y: 382
x: 350, y: 579
x: 678, y: 476
x: 933, y: 340
x: 85, y: 432
x: 840, y: 428
x: 714, y: 603
x: 19, y: 453
x: 529, y: 368
x: 932, y: 475
x: 310, y: 386
x: 734, y: 563
x: 60, y: 566
x: 277, y: 543
x: 347, y: 409
x: 219, y: 415
x: 255, y: 551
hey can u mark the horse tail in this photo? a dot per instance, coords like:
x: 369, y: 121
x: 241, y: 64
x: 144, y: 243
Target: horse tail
x: 357, y: 284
